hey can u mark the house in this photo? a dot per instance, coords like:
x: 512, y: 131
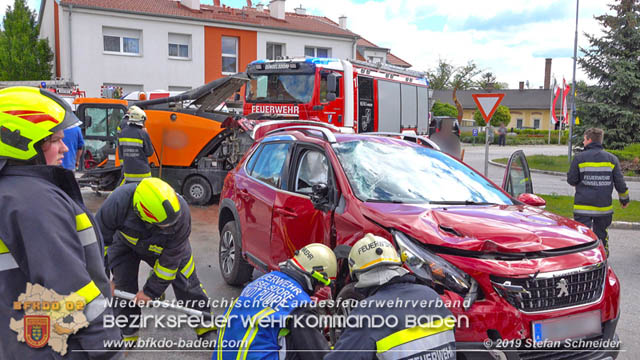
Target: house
x: 368, y: 51
x: 179, y: 44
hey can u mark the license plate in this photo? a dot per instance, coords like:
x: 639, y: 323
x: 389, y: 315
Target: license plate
x: 568, y: 327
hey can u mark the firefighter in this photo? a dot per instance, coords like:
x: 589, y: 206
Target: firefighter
x: 148, y: 221
x: 374, y: 262
x: 134, y: 146
x: 47, y: 236
x: 276, y: 297
x: 594, y: 173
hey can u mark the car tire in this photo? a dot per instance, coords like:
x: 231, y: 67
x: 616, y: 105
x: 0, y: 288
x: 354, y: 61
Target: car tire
x: 197, y: 190
x: 234, y: 268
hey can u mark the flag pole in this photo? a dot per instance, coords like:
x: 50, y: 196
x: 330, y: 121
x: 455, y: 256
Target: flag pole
x: 573, y: 86
x: 551, y: 123
x: 560, y: 132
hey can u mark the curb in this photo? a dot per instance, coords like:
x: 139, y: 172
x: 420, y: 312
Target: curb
x: 556, y: 173
x: 625, y: 225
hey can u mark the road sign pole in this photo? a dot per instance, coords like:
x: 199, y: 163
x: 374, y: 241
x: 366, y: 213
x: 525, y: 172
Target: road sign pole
x: 487, y: 104
x: 486, y: 150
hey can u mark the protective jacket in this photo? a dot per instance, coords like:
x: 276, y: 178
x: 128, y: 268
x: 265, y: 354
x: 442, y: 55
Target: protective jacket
x: 48, y: 238
x: 134, y: 149
x: 595, y: 172
x: 167, y: 247
x: 272, y: 298
x: 433, y: 339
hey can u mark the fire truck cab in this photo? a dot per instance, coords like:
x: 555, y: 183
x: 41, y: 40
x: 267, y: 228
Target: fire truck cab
x: 344, y: 93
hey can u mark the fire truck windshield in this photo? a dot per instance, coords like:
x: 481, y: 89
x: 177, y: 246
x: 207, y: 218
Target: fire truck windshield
x: 280, y: 88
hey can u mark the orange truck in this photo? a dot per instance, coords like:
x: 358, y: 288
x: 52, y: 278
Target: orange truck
x: 195, y: 143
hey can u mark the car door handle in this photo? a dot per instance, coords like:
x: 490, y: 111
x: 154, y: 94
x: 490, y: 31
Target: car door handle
x: 286, y: 212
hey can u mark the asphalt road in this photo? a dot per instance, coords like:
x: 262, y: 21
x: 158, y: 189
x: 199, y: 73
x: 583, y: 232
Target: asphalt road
x: 542, y: 183
x: 204, y: 241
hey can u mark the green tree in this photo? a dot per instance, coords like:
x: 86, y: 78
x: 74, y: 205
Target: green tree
x: 444, y: 109
x: 488, y: 81
x: 612, y: 60
x: 446, y: 76
x: 502, y: 115
x: 22, y: 55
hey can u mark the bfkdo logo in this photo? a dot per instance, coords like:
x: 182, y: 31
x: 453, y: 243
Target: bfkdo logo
x: 36, y: 330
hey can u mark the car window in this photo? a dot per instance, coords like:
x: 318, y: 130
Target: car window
x: 313, y: 169
x: 269, y: 164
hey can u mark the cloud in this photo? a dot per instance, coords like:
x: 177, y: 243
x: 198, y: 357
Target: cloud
x: 510, y: 18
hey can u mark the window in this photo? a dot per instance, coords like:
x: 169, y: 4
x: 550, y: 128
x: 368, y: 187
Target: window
x: 104, y: 121
x: 536, y: 123
x: 121, y: 41
x: 274, y: 51
x: 519, y: 123
x: 179, y: 46
x: 312, y: 170
x: 317, y: 52
x: 229, y: 55
x: 268, y: 166
x: 375, y: 59
x: 323, y: 87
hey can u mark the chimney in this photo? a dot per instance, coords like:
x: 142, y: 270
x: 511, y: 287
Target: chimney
x: 276, y: 9
x: 216, y: 3
x: 260, y: 7
x: 343, y: 22
x: 300, y: 10
x: 547, y: 73
x: 249, y: 4
x: 521, y: 86
x: 191, y: 4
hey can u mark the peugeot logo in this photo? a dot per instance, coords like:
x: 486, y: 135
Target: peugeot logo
x: 563, y: 287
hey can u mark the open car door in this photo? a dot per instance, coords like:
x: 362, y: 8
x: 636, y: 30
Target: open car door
x: 517, y: 177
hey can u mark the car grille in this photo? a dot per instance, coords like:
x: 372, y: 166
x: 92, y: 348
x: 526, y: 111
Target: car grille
x: 556, y: 290
x: 582, y: 353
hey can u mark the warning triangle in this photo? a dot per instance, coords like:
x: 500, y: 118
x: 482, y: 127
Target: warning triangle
x: 487, y: 104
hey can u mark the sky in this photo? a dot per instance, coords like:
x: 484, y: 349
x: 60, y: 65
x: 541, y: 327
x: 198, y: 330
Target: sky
x: 510, y: 38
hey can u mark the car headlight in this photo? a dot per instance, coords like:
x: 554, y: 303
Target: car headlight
x: 431, y: 267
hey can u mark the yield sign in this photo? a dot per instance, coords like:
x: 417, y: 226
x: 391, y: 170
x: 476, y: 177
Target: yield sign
x: 487, y: 104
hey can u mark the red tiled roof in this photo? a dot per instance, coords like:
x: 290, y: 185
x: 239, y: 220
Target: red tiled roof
x: 246, y: 16
x: 391, y: 59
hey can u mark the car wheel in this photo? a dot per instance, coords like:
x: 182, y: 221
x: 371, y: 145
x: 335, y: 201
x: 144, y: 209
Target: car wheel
x: 197, y: 190
x: 234, y: 268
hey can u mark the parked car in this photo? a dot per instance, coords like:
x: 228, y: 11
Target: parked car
x: 523, y: 273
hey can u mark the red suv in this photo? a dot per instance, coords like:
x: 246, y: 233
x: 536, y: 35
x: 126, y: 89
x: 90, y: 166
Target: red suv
x: 513, y: 270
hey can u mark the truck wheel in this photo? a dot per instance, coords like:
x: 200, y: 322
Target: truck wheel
x: 234, y: 268
x: 197, y: 190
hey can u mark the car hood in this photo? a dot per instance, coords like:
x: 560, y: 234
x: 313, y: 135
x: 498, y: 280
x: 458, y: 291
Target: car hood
x: 491, y: 229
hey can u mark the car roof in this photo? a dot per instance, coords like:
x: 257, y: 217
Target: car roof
x: 315, y: 136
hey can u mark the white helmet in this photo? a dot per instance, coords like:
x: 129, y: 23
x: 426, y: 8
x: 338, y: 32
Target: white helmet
x: 315, y: 261
x: 136, y: 116
x: 373, y: 261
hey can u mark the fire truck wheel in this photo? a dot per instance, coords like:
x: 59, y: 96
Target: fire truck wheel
x: 234, y: 268
x: 197, y: 190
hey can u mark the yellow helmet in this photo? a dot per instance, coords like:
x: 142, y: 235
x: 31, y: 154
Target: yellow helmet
x: 156, y: 202
x: 317, y: 261
x: 29, y: 115
x: 136, y: 116
x: 372, y: 251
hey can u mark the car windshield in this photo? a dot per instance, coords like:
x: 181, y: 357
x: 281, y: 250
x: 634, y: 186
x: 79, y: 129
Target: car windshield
x: 280, y: 88
x: 394, y: 172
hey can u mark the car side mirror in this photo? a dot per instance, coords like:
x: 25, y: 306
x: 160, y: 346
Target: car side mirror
x: 320, y: 196
x: 331, y: 96
x: 532, y: 199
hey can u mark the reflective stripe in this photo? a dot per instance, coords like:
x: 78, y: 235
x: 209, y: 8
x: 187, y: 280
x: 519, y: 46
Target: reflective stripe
x: 133, y: 338
x: 203, y: 330
x: 105, y: 250
x: 87, y: 237
x: 596, y: 166
x: 252, y: 332
x: 3, y: 247
x: 127, y: 175
x: 436, y: 343
x: 130, y: 239
x: 130, y: 142
x: 414, y: 333
x: 89, y: 292
x: 224, y: 327
x: 156, y: 249
x: 82, y: 222
x: 624, y: 195
x: 7, y: 262
x: 377, y: 261
x: 592, y: 210
x: 163, y: 272
x: 187, y: 270
x: 95, y: 308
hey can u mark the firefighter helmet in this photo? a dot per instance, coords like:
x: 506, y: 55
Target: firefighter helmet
x: 156, y: 202
x: 372, y: 251
x: 136, y: 116
x: 29, y: 115
x: 316, y: 261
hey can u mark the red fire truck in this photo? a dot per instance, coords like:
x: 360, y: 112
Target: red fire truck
x: 346, y: 93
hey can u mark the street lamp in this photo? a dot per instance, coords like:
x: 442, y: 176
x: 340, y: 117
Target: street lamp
x: 572, y: 117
